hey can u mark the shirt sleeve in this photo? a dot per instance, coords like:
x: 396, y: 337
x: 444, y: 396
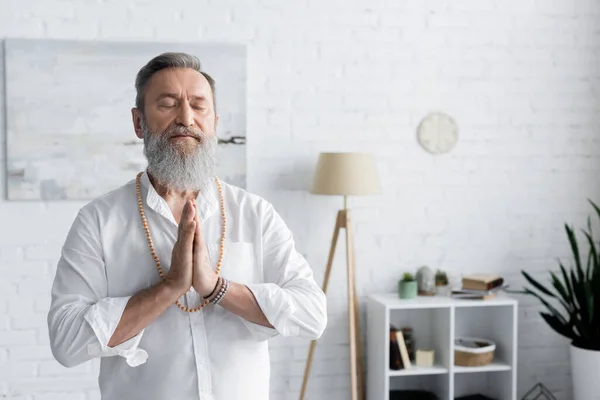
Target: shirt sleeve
x: 82, y: 319
x: 289, y: 297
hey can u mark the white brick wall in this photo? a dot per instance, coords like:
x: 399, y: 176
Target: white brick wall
x: 521, y: 77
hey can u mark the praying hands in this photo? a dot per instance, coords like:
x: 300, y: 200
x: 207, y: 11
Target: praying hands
x: 190, y: 264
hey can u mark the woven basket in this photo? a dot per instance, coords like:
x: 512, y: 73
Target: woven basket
x: 473, y: 352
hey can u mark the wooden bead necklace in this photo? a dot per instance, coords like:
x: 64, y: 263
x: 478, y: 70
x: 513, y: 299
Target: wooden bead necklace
x: 151, y: 244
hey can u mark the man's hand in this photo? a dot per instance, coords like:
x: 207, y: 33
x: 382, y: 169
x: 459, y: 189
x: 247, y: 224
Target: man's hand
x: 181, y: 273
x: 204, y: 277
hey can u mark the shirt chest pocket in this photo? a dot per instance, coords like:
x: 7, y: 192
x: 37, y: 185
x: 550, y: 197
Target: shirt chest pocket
x: 240, y: 263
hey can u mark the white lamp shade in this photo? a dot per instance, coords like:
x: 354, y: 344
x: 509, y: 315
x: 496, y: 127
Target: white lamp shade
x: 346, y: 174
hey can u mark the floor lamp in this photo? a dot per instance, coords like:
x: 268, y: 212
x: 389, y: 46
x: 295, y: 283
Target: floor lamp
x: 345, y: 174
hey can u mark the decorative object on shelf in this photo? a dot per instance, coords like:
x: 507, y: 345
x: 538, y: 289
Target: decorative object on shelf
x: 407, y: 287
x: 578, y: 292
x: 437, y: 133
x: 426, y: 281
x: 441, y: 283
x: 425, y: 358
x: 536, y: 391
x: 473, y: 352
x: 345, y: 174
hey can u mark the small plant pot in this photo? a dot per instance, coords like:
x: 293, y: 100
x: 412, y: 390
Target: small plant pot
x: 442, y: 290
x: 407, y: 289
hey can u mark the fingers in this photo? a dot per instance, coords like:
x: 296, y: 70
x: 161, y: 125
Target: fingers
x: 185, y: 219
x: 187, y: 224
x: 198, y: 240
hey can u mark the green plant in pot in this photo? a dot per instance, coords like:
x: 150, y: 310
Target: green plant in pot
x: 572, y: 309
x: 441, y: 279
x: 441, y: 283
x: 407, y: 287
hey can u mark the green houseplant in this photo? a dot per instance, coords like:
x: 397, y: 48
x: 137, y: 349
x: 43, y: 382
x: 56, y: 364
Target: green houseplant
x: 576, y: 291
x: 441, y: 278
x: 407, y: 287
x: 441, y: 283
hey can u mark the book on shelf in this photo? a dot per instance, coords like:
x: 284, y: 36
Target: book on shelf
x: 399, y: 357
x: 477, y: 294
x: 395, y: 357
x: 482, y: 281
x: 403, y: 349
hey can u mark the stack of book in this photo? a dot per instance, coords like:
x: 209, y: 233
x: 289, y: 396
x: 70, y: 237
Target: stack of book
x: 479, y: 286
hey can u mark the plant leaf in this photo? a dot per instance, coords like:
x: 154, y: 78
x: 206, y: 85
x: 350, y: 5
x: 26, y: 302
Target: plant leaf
x: 576, y: 292
x: 592, y: 310
x: 549, y: 306
x: 592, y: 255
x: 564, y: 300
x: 575, y: 250
x: 567, y: 284
x: 589, y: 293
x: 581, y: 297
x: 563, y: 329
x: 595, y: 207
x: 537, y: 285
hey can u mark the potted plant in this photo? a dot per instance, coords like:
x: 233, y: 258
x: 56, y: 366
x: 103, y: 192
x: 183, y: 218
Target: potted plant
x: 576, y: 291
x: 441, y: 282
x: 407, y: 287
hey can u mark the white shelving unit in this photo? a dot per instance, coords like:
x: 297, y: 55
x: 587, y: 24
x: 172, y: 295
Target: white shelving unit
x: 435, y: 322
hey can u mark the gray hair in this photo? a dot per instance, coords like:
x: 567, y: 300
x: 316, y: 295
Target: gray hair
x: 168, y: 60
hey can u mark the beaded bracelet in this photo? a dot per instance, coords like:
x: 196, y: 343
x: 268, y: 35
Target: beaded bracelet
x: 222, y: 292
x: 214, y: 289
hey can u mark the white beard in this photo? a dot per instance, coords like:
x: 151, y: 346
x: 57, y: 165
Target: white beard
x: 176, y: 168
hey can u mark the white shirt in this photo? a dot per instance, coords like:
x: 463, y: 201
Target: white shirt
x: 211, y: 354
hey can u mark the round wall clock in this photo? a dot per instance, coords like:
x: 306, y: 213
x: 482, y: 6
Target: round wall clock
x: 438, y: 133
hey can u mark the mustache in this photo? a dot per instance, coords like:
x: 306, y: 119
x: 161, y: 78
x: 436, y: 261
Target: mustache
x: 184, y: 131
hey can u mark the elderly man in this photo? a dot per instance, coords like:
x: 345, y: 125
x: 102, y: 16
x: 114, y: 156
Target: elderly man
x: 177, y: 279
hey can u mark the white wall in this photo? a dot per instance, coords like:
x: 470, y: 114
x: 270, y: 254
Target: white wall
x: 522, y: 78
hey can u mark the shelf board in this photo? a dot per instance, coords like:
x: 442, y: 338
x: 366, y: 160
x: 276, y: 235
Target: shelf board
x: 494, y: 366
x: 393, y: 302
x: 414, y: 370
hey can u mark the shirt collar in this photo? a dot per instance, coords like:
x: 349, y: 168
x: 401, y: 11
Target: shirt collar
x: 206, y: 200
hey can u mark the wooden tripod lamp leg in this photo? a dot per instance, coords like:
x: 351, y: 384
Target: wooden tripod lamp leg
x: 336, y: 231
x: 352, y: 315
x: 355, y: 307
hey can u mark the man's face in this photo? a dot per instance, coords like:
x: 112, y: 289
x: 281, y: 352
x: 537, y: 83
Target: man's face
x: 178, y: 127
x: 178, y: 97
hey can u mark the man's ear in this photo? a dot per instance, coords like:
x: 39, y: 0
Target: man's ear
x: 216, y: 121
x: 136, y: 116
